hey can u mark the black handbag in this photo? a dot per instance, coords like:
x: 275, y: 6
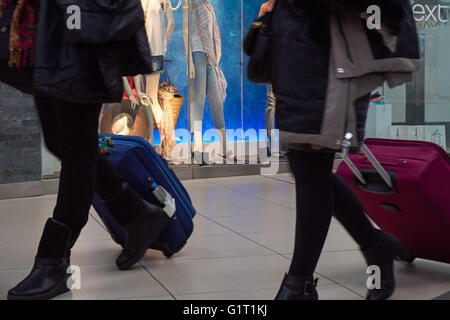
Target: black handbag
x: 258, y: 46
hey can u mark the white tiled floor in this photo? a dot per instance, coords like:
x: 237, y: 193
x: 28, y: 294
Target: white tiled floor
x: 240, y: 249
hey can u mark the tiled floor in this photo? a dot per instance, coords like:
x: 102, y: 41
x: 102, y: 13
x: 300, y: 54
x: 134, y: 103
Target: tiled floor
x: 240, y: 249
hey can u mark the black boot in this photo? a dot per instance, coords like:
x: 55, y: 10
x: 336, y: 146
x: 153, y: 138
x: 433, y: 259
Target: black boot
x: 382, y: 254
x: 298, y: 288
x: 49, y: 276
x: 142, y: 221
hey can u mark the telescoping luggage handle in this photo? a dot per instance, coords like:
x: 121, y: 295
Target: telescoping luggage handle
x: 376, y: 164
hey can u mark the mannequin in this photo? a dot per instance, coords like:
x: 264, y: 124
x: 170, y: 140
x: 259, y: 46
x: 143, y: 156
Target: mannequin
x: 203, y: 53
x: 158, y: 45
x: 160, y: 25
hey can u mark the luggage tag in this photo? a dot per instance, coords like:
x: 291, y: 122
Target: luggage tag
x: 164, y: 197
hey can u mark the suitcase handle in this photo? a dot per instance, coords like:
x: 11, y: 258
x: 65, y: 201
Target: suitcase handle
x: 370, y: 156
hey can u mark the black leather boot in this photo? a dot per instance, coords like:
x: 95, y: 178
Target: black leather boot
x: 142, y: 221
x: 141, y: 234
x: 298, y: 288
x: 382, y: 254
x: 48, y: 277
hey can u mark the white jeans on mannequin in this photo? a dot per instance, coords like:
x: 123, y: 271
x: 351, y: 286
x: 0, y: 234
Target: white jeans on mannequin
x: 152, y: 87
x: 163, y: 116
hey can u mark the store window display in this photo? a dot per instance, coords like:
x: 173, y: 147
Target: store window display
x: 160, y: 25
x: 203, y: 53
x: 142, y: 98
x: 201, y: 29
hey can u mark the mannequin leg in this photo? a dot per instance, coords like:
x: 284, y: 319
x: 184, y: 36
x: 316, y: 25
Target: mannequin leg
x: 198, y: 140
x: 152, y: 87
x: 269, y: 114
x: 216, y: 105
x: 162, y: 113
x: 223, y: 140
x: 198, y: 96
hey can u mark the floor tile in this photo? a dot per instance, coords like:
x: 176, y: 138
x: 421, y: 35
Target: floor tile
x: 204, y: 226
x: 182, y: 276
x: 23, y: 219
x: 423, y: 280
x: 343, y: 266
x: 233, y: 181
x: 107, y: 282
x: 270, y: 190
x: 97, y: 282
x: 240, y: 249
x: 250, y: 207
x: 95, y: 252
x: 216, y: 194
x: 20, y: 255
x: 208, y: 246
x: 279, y: 241
x: 326, y: 292
x: 283, y: 241
x: 261, y: 223
x: 260, y: 294
x: 336, y: 292
x: 151, y: 298
x: 17, y: 255
x: 286, y: 177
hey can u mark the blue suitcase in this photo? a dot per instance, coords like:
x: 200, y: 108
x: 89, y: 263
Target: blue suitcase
x: 146, y: 171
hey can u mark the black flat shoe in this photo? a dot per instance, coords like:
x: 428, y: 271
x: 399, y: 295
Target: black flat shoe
x: 298, y: 288
x: 49, y: 275
x: 141, y: 233
x: 382, y: 254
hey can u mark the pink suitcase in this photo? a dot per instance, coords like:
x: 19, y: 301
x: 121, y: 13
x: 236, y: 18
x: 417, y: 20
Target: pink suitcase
x: 416, y: 207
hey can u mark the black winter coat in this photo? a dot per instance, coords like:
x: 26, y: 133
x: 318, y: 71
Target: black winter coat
x: 301, y: 57
x: 79, y: 72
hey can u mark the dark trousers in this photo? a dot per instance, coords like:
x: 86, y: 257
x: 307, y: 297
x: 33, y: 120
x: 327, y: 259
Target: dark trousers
x: 319, y: 195
x: 71, y: 133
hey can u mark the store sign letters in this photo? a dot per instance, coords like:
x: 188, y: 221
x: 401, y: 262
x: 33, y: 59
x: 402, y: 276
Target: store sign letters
x: 437, y: 14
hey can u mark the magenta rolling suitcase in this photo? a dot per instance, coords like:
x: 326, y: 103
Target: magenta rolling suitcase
x: 404, y: 186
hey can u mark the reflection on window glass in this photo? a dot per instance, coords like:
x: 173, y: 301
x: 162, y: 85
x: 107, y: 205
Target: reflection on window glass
x: 420, y: 110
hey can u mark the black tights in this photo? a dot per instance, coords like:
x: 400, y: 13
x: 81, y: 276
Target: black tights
x: 70, y: 133
x: 320, y: 195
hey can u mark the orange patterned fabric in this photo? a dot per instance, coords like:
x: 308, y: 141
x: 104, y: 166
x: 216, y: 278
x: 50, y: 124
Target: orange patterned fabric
x: 23, y: 31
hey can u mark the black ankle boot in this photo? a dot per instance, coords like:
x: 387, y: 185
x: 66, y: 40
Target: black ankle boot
x: 298, y: 288
x: 141, y: 234
x: 142, y: 221
x: 49, y: 276
x: 382, y: 254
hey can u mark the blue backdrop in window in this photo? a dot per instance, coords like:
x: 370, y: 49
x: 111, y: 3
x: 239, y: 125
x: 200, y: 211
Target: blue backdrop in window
x: 245, y: 103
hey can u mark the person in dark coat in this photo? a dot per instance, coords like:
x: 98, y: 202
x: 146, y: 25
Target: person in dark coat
x: 325, y: 63
x: 70, y: 81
